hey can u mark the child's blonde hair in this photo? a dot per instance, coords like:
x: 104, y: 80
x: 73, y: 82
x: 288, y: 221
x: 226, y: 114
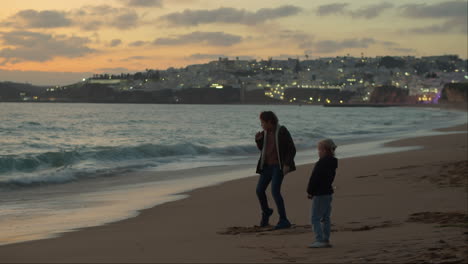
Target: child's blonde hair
x: 329, y: 145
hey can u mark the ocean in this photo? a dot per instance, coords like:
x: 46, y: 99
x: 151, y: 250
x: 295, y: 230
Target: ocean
x: 69, y: 166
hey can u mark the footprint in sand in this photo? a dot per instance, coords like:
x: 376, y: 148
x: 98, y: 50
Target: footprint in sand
x: 268, y: 230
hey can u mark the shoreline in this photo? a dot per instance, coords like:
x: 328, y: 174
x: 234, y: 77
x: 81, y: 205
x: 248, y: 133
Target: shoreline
x: 135, y: 234
x: 176, y: 185
x: 445, y: 106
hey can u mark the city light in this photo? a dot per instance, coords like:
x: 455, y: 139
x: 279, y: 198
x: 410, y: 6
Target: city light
x: 338, y: 77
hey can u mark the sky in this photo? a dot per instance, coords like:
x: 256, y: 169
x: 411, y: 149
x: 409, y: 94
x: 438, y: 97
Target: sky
x: 56, y: 42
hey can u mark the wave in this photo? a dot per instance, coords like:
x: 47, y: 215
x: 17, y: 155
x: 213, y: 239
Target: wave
x: 62, y: 175
x: 65, y: 166
x: 32, y: 123
x: 31, y: 162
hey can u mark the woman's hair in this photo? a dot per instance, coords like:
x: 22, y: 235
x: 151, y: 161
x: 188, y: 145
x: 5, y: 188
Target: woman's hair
x: 269, y: 116
x: 329, y: 146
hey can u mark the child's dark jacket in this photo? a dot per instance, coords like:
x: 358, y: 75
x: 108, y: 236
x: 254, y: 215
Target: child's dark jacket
x: 323, y: 174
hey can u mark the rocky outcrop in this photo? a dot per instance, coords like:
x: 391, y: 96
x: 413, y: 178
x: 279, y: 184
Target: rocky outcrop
x: 10, y: 91
x: 454, y: 93
x: 389, y: 95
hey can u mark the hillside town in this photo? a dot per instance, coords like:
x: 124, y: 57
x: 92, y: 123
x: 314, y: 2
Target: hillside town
x: 336, y: 80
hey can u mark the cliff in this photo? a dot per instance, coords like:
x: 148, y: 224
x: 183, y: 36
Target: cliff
x: 11, y: 92
x: 389, y: 95
x: 454, y: 93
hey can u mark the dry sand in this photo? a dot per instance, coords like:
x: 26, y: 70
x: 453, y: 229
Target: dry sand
x: 401, y: 207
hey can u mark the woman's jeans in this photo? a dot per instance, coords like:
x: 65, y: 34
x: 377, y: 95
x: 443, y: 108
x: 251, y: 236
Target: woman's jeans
x: 321, y: 210
x: 273, y: 174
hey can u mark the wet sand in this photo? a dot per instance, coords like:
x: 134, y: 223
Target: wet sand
x: 399, y: 207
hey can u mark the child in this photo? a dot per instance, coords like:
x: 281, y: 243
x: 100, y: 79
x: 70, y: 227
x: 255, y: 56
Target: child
x: 320, y: 190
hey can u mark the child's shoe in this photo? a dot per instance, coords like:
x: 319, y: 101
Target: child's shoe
x: 320, y: 244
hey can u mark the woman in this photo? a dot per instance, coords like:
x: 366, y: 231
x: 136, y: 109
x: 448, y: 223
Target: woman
x: 276, y: 160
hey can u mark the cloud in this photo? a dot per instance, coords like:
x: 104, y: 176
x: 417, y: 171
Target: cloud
x: 304, y: 40
x: 404, y: 50
x: 367, y: 12
x: 448, y: 9
x: 142, y: 3
x: 457, y: 25
x: 86, y: 18
x: 33, y: 46
x: 331, y: 9
x: 125, y: 21
x: 329, y: 46
x: 138, y: 43
x: 389, y: 43
x: 453, y: 12
x: 133, y: 58
x: 229, y: 16
x: 96, y: 17
x: 371, y: 11
x: 37, y: 19
x: 115, y: 43
x: 206, y: 38
x: 116, y: 70
x: 200, y: 56
x: 43, y: 78
x: 395, y: 47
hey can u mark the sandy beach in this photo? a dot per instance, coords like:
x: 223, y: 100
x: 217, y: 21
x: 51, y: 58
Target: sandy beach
x: 401, y: 207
